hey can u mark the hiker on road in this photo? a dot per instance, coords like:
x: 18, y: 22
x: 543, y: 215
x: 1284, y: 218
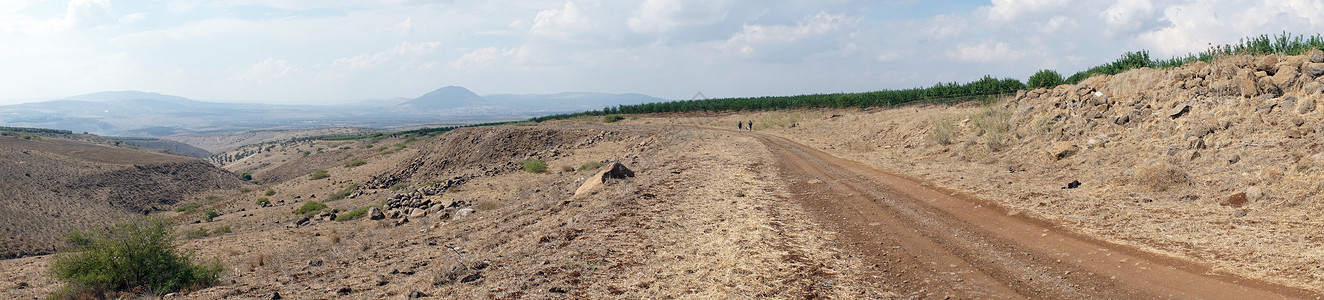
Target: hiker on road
x: 740, y: 125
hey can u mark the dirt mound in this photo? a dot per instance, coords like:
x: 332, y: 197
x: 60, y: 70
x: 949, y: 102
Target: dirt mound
x: 493, y: 150
x: 54, y: 186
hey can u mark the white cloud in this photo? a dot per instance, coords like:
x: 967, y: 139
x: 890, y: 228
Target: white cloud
x: 89, y: 13
x: 406, y: 26
x: 659, y: 16
x: 415, y: 49
x: 785, y: 43
x: 491, y: 56
x: 557, y: 22
x: 985, y: 53
x: 270, y: 68
x: 1011, y: 10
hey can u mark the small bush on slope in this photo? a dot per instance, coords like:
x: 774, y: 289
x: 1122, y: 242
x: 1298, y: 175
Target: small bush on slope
x: 133, y: 254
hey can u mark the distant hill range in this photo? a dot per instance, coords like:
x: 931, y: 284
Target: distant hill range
x: 145, y: 114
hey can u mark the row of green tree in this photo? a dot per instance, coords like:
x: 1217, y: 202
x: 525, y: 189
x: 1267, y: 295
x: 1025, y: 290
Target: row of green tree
x: 942, y: 92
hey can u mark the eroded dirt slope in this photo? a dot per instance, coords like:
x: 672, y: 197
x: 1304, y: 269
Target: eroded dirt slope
x: 52, y: 186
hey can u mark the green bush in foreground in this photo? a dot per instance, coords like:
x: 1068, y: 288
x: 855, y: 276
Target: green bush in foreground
x: 133, y: 254
x: 534, y: 165
x: 612, y: 118
x: 310, y: 207
x: 355, y: 163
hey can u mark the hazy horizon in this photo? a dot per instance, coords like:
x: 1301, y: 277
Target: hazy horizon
x: 309, y: 52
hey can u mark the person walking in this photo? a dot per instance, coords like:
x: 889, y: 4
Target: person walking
x: 740, y: 125
x: 751, y: 125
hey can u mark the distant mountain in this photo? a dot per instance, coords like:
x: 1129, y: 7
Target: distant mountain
x: 146, y: 114
x: 449, y: 97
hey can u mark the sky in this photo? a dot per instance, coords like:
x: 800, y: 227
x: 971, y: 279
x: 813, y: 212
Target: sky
x: 334, y: 51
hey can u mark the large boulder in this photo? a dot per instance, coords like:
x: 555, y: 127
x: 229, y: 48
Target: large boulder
x: 611, y: 171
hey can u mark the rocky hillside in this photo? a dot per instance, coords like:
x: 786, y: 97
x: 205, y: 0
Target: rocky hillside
x: 54, y: 186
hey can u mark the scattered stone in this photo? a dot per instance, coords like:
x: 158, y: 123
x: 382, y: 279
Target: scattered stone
x: 381, y: 280
x: 1315, y: 69
x: 1316, y: 56
x: 1179, y: 111
x: 1061, y: 150
x: 416, y: 294
x: 375, y: 214
x: 1306, y: 106
x: 1285, y: 77
x: 461, y: 213
x: 315, y: 263
x: 1236, y: 200
x: 557, y: 290
x: 344, y: 291
x: 1073, y: 184
x: 417, y: 213
x: 1240, y: 213
x: 1312, y: 88
x: 614, y: 170
x: 1267, y: 63
x: 275, y: 296
x: 1254, y: 193
x: 472, y: 277
x: 1267, y: 86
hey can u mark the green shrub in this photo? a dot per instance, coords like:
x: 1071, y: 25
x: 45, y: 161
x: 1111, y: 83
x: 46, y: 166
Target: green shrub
x: 343, y: 193
x: 196, y: 233
x: 319, y: 174
x: 592, y: 165
x: 133, y: 254
x: 221, y: 230
x: 399, y: 186
x: 534, y: 165
x: 246, y: 176
x: 188, y: 208
x: 311, y: 207
x: 612, y: 118
x: 355, y: 163
x: 1045, y: 79
x: 270, y: 192
x: 353, y: 214
x: 210, y: 215
x: 263, y: 201
x: 942, y: 132
x: 245, y: 190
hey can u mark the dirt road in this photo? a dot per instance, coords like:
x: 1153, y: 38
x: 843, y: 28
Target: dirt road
x: 927, y: 242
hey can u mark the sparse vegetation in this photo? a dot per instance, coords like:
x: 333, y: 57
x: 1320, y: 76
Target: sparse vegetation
x: 343, y: 193
x: 246, y: 176
x: 993, y: 124
x: 1044, y: 79
x: 270, y: 192
x: 355, y: 163
x: 310, y: 207
x: 942, y: 131
x: 488, y: 204
x: 589, y: 166
x: 319, y: 174
x: 612, y: 118
x: 210, y: 215
x: 188, y: 208
x: 399, y: 186
x: 534, y: 165
x: 133, y: 254
x: 1160, y: 176
x: 263, y: 201
x: 353, y: 214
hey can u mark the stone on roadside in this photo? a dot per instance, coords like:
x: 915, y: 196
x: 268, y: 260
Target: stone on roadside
x: 613, y: 170
x: 1236, y: 200
x: 1061, y: 150
x: 417, y: 213
x: 375, y: 214
x: 461, y: 213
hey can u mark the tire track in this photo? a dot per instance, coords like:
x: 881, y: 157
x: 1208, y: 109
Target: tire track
x: 925, y: 242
